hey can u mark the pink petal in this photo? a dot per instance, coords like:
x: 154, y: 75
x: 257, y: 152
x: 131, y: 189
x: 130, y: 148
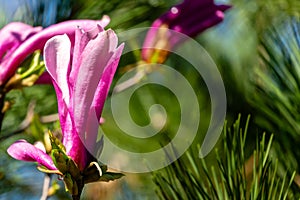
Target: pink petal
x: 38, y: 41
x: 22, y: 150
x: 102, y: 120
x: 81, y: 40
x: 57, y: 60
x: 76, y: 149
x: 45, y: 78
x: 94, y: 118
x: 11, y: 37
x: 223, y: 8
x: 105, y: 82
x: 13, y: 34
x: 91, y: 131
x: 104, y: 21
x: 94, y: 59
x: 191, y: 17
x: 214, y: 20
x: 113, y: 40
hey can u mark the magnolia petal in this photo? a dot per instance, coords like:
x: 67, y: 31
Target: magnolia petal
x: 38, y: 41
x: 11, y: 37
x: 68, y: 128
x: 66, y: 121
x: 187, y: 9
x: 91, y: 131
x: 22, y: 150
x: 94, y: 118
x: 190, y: 17
x: 76, y: 149
x: 102, y: 120
x: 187, y: 20
x: 74, y: 144
x: 40, y: 146
x: 223, y: 7
x: 45, y: 78
x: 150, y: 40
x: 90, y: 24
x: 81, y: 40
x: 104, y: 21
x: 105, y: 82
x: 57, y: 61
x: 112, y: 39
x: 93, y: 33
x: 13, y: 34
x: 214, y: 20
x: 94, y: 59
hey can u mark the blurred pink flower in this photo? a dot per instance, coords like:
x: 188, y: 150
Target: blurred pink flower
x: 81, y: 71
x: 191, y: 17
x: 18, y: 40
x: 11, y: 37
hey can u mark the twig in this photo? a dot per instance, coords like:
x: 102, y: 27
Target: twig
x: 130, y: 82
x: 49, y: 118
x: 46, y: 187
x: 80, y: 186
x: 28, y: 119
x: 2, y: 110
x: 25, y: 123
x: 143, y: 69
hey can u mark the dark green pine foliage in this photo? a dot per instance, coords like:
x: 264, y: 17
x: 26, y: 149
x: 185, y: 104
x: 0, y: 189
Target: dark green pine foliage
x: 276, y: 91
x: 233, y: 176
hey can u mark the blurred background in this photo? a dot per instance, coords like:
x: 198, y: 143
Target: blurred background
x: 256, y: 49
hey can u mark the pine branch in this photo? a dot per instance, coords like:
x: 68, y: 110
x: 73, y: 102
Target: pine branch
x: 193, y: 178
x: 277, y: 89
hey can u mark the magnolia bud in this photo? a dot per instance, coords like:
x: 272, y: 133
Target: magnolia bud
x: 73, y: 169
x: 69, y: 184
x: 59, y: 160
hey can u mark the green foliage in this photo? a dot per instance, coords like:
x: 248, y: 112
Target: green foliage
x: 257, y: 49
x: 263, y: 14
x: 276, y: 91
x: 233, y: 177
x: 123, y: 14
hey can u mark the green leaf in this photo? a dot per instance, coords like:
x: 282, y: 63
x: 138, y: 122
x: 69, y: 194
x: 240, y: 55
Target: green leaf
x: 45, y: 170
x: 56, y: 143
x: 98, y: 172
x: 70, y: 184
x: 110, y: 176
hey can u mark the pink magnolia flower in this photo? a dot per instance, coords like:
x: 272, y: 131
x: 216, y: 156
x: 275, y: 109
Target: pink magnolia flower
x: 18, y: 40
x: 191, y: 17
x: 82, y: 71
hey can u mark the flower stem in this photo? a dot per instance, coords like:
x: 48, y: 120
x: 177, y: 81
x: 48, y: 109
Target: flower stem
x: 76, y: 197
x: 80, y: 186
